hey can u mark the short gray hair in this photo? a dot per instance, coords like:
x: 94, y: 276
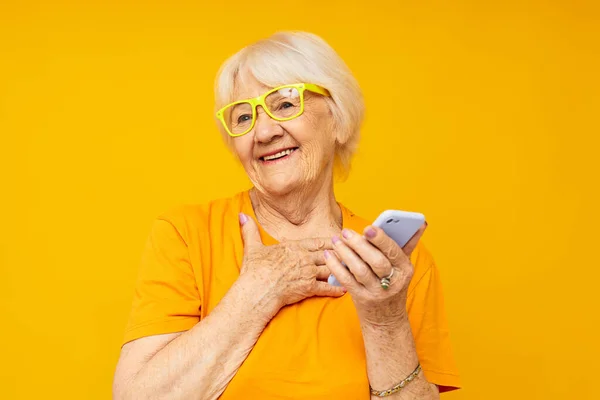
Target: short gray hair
x: 295, y: 57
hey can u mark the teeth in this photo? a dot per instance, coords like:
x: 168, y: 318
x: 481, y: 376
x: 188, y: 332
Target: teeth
x: 279, y: 155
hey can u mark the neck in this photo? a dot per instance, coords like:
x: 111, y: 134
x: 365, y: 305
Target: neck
x: 304, y: 213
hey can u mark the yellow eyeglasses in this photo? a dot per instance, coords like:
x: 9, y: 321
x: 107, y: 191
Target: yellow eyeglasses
x: 282, y: 104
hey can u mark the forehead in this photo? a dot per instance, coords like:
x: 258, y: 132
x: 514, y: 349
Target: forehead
x: 246, y: 86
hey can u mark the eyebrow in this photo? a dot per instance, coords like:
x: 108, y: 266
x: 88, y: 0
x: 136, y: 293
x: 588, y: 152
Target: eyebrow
x: 237, y: 106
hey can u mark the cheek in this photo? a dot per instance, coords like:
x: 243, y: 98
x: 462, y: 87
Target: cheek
x: 316, y: 137
x: 242, y: 146
x: 316, y: 132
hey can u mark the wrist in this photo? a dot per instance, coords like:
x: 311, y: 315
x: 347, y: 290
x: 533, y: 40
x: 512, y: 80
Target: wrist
x: 385, y: 317
x: 390, y: 326
x: 262, y: 302
x: 390, y: 352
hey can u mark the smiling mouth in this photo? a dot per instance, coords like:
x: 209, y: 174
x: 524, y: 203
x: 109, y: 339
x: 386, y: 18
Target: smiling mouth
x: 278, y: 156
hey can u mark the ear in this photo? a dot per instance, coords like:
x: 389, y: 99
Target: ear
x: 341, y: 136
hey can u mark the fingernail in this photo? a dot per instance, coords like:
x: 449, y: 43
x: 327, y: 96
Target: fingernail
x: 347, y: 233
x: 327, y: 255
x: 335, y: 239
x: 370, y: 233
x: 243, y: 218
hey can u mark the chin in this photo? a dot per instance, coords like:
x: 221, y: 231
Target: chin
x: 280, y: 185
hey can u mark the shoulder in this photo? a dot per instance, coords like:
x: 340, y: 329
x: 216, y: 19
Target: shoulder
x: 190, y: 219
x: 352, y: 220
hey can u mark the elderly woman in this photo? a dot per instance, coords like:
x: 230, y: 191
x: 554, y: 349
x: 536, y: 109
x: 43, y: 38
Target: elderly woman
x: 233, y: 300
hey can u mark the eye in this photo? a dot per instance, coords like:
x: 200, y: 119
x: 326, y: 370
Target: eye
x: 244, y: 118
x: 286, y: 104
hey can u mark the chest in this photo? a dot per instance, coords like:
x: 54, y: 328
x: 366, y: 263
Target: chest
x: 311, y: 349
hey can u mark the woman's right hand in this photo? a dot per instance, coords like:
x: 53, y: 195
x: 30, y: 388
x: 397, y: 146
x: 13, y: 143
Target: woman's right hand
x: 287, y: 272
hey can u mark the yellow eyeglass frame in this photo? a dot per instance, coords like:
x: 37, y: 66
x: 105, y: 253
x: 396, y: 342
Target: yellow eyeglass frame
x: 260, y: 101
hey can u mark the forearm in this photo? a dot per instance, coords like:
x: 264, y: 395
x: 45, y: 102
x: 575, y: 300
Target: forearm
x: 391, y: 357
x: 200, y: 362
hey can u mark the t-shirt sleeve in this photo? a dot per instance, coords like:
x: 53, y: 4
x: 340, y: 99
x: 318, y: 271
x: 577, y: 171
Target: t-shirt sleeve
x: 166, y: 298
x: 429, y: 325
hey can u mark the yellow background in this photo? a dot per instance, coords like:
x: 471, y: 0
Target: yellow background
x: 484, y: 117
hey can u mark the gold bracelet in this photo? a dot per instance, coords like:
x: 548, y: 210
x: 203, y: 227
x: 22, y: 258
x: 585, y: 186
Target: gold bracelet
x: 399, y: 386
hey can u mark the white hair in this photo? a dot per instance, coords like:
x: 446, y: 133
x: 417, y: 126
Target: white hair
x: 294, y: 57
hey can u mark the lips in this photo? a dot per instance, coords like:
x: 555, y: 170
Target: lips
x: 278, y: 154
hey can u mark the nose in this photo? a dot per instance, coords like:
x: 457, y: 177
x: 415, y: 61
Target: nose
x: 265, y: 128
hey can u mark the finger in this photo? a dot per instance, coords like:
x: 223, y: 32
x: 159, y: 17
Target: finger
x: 325, y: 289
x: 323, y: 272
x: 371, y: 255
x: 360, y: 271
x: 412, y: 243
x: 250, y: 233
x: 317, y: 257
x: 387, y: 245
x: 316, y: 244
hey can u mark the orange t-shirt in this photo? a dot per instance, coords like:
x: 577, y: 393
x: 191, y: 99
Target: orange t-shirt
x: 310, y: 350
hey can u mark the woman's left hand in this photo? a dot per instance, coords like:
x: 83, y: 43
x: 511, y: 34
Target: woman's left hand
x: 370, y: 258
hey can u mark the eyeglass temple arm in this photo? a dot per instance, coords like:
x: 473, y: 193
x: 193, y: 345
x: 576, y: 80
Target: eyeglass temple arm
x: 317, y: 89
